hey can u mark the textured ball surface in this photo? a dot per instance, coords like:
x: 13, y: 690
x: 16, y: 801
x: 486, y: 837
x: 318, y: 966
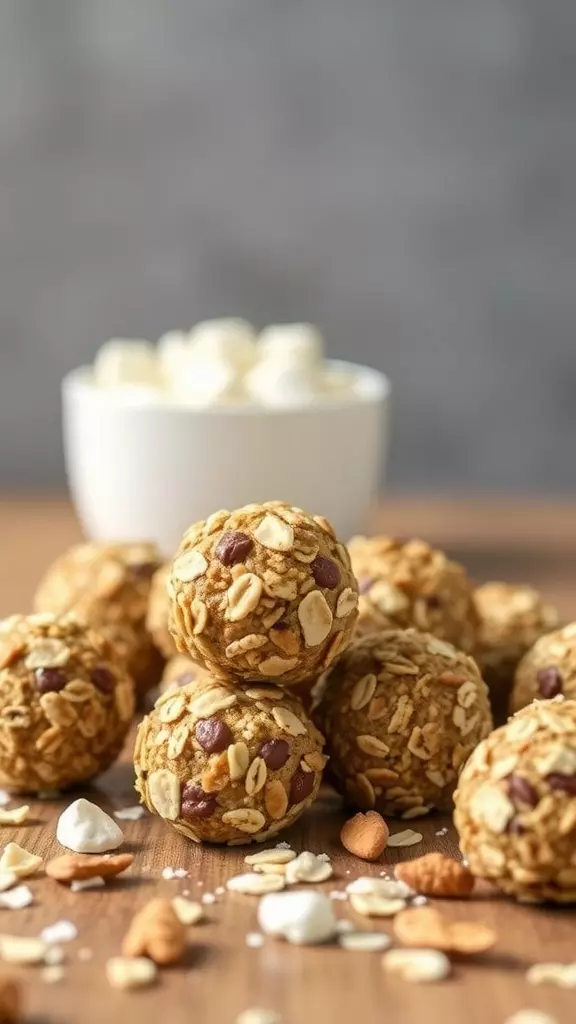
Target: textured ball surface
x: 401, y: 711
x: 66, y: 703
x: 225, y: 763
x: 516, y: 804
x: 548, y: 669
x: 266, y: 592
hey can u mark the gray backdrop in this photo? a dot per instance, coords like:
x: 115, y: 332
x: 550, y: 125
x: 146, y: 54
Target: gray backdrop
x: 400, y: 171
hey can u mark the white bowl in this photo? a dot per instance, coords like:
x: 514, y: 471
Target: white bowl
x: 141, y: 469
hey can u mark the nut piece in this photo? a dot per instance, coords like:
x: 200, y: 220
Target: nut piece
x: 436, y: 875
x: 427, y: 927
x: 130, y: 972
x: 277, y: 593
x: 365, y: 835
x: 156, y: 932
x: 70, y: 868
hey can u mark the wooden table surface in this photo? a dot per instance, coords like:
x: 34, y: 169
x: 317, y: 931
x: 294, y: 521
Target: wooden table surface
x: 221, y: 975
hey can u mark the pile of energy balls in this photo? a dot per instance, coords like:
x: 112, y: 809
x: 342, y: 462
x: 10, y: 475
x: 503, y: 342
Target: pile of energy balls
x: 286, y: 652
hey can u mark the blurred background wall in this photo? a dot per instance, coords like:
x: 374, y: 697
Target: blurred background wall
x: 402, y: 172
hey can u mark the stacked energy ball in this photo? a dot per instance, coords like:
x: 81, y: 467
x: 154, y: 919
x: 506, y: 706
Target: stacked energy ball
x: 263, y: 599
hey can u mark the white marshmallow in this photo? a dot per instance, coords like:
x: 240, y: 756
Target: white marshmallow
x: 277, y: 384
x: 300, y: 917
x: 85, y: 828
x: 231, y: 342
x: 295, y: 344
x: 210, y: 382
x: 173, y: 349
x: 122, y: 361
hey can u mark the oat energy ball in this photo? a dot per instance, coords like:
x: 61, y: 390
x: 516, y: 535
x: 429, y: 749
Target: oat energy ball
x: 265, y: 592
x: 547, y: 670
x: 512, y: 618
x: 409, y: 583
x: 65, y: 703
x: 224, y: 763
x: 516, y: 804
x: 402, y: 711
x: 159, y: 613
x: 108, y: 586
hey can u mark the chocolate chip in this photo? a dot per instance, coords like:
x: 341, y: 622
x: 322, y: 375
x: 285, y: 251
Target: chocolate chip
x: 563, y: 783
x: 275, y: 753
x: 233, y: 547
x: 364, y: 584
x: 433, y: 601
x: 144, y: 570
x: 301, y: 786
x: 549, y: 682
x: 49, y: 680
x: 522, y: 791
x: 325, y: 572
x: 103, y: 679
x: 213, y: 735
x: 196, y: 803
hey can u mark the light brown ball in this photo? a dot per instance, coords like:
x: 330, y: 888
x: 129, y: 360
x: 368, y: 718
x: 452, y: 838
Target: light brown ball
x: 512, y: 617
x: 66, y: 703
x: 108, y: 586
x: 409, y: 583
x: 226, y: 763
x: 265, y: 592
x: 401, y: 712
x: 158, y: 614
x: 516, y: 804
x: 547, y: 670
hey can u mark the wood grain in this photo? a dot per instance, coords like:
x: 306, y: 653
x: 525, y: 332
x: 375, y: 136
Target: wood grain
x: 222, y: 975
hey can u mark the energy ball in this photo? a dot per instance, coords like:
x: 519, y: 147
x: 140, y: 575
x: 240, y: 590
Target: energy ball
x: 66, y: 703
x: 224, y: 763
x: 512, y: 618
x: 401, y: 711
x: 409, y: 583
x: 547, y: 670
x: 265, y: 592
x: 516, y: 804
x: 159, y: 613
x: 108, y: 586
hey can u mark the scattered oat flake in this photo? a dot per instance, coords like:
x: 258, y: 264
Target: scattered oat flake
x: 365, y: 942
x: 254, y: 940
x: 52, y: 974
x: 14, y: 949
x: 274, y: 856
x: 16, y: 899
x: 252, y: 884
x: 188, y: 912
x: 131, y: 971
x: 170, y: 873
x: 19, y: 861
x: 374, y: 905
x: 307, y: 867
x: 208, y: 898
x: 563, y: 975
x: 16, y: 816
x: 387, y: 888
x: 258, y: 1016
x: 131, y: 813
x: 87, y: 883
x: 417, y: 965
x: 60, y: 931
x: 406, y: 838
x: 531, y: 1017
